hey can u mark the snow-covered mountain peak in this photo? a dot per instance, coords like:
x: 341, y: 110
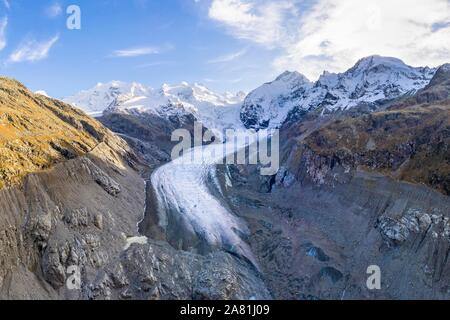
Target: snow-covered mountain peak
x: 95, y: 100
x: 294, y: 76
x: 370, y: 80
x: 214, y: 109
x: 370, y: 62
x: 269, y: 104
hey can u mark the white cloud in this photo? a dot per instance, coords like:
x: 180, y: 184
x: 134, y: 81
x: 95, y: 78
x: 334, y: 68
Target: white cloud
x: 228, y: 57
x: 54, y: 10
x: 33, y: 50
x: 3, y: 25
x: 334, y: 34
x: 155, y: 64
x: 6, y: 4
x: 136, y: 52
x: 262, y: 21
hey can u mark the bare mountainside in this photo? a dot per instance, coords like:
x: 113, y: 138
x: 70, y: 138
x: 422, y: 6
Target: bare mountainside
x: 65, y: 178
x: 37, y: 132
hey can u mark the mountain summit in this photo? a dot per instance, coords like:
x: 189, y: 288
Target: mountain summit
x: 95, y: 100
x: 214, y: 109
x: 371, y: 80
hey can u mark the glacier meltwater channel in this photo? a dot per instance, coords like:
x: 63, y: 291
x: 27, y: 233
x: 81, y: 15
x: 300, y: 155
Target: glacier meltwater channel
x: 184, y: 197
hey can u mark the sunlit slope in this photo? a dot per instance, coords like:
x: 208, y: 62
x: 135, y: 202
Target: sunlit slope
x: 36, y: 132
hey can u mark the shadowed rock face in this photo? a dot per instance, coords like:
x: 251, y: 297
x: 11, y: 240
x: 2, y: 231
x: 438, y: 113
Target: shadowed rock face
x: 148, y: 128
x: 316, y: 242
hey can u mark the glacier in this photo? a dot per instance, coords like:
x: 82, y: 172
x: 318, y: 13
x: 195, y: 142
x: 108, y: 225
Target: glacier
x: 184, y: 197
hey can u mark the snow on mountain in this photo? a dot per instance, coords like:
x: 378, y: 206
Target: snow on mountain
x: 42, y: 93
x: 95, y: 100
x: 270, y: 103
x: 213, y: 109
x: 372, y: 79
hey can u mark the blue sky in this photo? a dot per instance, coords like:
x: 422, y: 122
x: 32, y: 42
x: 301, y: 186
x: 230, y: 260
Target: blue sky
x: 228, y: 45
x: 187, y: 46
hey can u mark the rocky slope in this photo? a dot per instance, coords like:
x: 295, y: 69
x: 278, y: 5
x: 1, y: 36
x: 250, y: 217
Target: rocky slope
x: 371, y: 81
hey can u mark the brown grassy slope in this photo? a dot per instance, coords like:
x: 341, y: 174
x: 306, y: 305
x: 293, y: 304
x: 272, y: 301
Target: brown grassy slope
x: 37, y: 132
x: 410, y: 144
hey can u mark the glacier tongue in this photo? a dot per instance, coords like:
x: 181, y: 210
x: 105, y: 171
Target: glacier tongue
x: 184, y: 199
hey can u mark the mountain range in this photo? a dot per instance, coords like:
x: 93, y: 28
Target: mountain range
x: 372, y: 81
x: 364, y: 180
x: 212, y: 108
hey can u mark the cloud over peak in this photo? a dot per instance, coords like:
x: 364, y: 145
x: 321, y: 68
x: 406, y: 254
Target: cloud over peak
x: 332, y: 34
x: 263, y: 21
x: 136, y: 52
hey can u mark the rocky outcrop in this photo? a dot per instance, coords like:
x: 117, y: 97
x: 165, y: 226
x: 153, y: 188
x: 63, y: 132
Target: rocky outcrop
x: 156, y: 271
